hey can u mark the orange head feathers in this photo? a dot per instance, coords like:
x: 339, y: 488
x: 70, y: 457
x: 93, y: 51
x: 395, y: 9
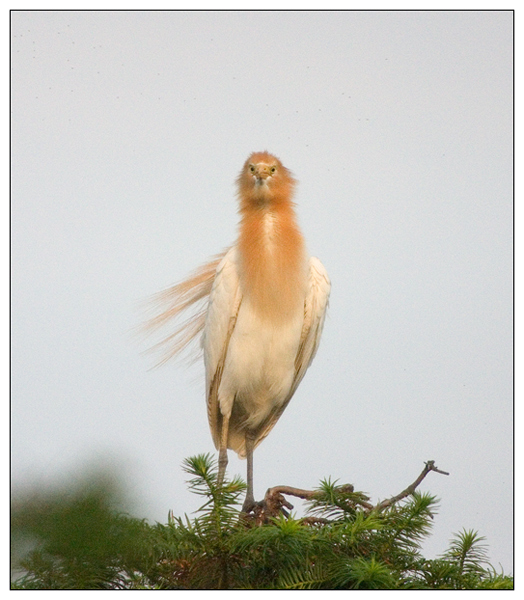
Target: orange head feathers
x: 271, y: 249
x: 264, y: 181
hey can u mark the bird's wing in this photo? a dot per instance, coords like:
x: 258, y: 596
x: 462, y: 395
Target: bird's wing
x: 314, y: 315
x: 171, y: 303
x: 224, y: 303
x: 315, y: 307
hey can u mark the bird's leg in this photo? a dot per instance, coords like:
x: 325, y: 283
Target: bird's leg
x: 249, y: 501
x: 222, y: 452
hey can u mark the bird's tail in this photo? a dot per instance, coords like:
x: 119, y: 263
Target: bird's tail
x: 168, y: 305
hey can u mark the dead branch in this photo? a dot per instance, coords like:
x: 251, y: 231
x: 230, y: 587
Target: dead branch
x: 429, y: 466
x: 274, y: 502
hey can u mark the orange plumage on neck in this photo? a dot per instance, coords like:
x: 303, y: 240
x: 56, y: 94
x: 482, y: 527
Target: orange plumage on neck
x: 271, y: 246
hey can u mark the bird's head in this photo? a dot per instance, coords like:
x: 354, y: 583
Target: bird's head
x: 264, y: 180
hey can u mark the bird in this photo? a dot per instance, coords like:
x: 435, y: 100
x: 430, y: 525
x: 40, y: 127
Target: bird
x: 258, y: 308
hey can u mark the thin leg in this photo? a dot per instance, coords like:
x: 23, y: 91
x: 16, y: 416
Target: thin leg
x: 249, y: 502
x: 222, y: 452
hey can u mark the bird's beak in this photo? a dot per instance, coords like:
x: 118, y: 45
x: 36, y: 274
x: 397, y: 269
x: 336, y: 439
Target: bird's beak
x: 262, y: 172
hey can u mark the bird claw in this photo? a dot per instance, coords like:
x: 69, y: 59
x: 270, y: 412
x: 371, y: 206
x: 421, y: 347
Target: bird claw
x: 260, y: 513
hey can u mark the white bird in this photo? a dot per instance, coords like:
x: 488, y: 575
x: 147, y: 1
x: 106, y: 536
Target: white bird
x: 264, y: 307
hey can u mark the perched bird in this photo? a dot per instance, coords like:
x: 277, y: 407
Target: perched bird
x: 263, y: 304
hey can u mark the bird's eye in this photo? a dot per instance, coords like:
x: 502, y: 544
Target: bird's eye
x: 273, y: 169
x: 252, y: 168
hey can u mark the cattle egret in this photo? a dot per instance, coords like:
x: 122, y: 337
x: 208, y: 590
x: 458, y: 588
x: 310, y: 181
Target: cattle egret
x: 264, y: 306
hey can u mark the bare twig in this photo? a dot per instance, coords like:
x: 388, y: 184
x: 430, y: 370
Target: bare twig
x: 429, y: 466
x: 305, y: 494
x: 315, y: 521
x: 291, y: 491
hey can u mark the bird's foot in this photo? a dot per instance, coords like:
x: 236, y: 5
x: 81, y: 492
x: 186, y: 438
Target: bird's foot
x: 249, y: 504
x: 260, y: 513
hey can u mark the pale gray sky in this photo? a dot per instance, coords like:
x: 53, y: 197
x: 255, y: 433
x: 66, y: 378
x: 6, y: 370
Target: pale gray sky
x: 128, y: 131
